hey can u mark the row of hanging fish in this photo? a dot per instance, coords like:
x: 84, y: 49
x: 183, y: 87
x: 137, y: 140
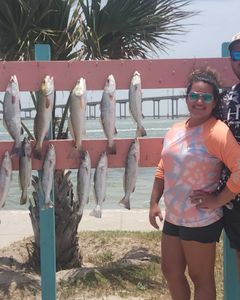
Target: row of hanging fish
x: 77, y: 112
x: 42, y: 121
x: 100, y: 179
x: 83, y: 176
x: 25, y: 173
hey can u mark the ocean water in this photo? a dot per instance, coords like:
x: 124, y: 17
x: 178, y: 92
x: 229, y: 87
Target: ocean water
x: 126, y: 129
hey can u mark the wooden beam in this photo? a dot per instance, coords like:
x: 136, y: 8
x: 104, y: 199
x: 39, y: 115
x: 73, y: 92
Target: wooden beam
x: 159, y: 73
x: 150, y: 152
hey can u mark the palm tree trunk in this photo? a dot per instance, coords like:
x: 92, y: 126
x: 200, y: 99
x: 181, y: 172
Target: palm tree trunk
x: 67, y: 220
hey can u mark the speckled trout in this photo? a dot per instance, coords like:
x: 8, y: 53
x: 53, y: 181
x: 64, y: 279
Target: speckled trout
x: 100, y: 184
x: 135, y: 103
x: 130, y: 174
x: 12, y: 113
x: 5, y: 178
x: 77, y: 117
x: 25, y: 169
x: 43, y: 116
x: 83, y: 180
x: 48, y: 175
x: 108, y: 112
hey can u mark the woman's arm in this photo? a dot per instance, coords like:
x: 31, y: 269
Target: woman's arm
x: 210, y: 200
x: 155, y: 211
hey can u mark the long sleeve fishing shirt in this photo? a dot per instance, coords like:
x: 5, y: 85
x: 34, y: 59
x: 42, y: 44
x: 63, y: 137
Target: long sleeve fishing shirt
x: 192, y: 159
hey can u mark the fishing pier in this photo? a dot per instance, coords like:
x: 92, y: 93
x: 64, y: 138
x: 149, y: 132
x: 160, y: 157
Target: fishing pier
x: 92, y: 111
x: 155, y: 74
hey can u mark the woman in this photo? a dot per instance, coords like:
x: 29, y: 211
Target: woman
x: 189, y: 170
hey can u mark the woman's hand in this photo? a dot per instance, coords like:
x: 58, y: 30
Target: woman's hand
x: 154, y: 214
x: 205, y: 200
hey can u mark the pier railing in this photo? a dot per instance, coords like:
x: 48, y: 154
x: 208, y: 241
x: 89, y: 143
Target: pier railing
x: 155, y: 74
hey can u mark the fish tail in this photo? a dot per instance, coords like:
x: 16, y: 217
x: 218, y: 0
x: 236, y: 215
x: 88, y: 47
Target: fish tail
x: 37, y: 152
x: 125, y: 202
x: 141, y: 131
x: 96, y: 212
x: 48, y: 204
x: 24, y: 198
x: 16, y: 150
x: 111, y: 148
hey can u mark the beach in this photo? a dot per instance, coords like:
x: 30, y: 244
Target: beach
x: 16, y: 225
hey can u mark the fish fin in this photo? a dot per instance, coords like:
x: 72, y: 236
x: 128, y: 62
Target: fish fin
x: 48, y: 102
x: 15, y: 150
x: 35, y: 127
x: 111, y: 148
x: 23, y: 199
x: 88, y: 200
x: 115, y: 131
x: 82, y: 103
x: 89, y: 188
x: 47, y: 205
x: 71, y: 128
x: 96, y: 212
x: 37, y: 153
x: 13, y: 99
x: 141, y: 131
x: 5, y: 124
x: 125, y: 202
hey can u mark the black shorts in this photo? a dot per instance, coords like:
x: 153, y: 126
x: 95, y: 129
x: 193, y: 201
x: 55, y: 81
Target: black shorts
x: 205, y: 234
x: 231, y: 220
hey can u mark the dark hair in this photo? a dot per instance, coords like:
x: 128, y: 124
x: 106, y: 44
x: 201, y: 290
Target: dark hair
x: 208, y: 76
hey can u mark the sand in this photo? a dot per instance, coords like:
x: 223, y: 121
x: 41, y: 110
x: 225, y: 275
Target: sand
x: 16, y: 225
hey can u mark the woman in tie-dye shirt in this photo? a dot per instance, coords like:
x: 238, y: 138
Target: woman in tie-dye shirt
x: 187, y: 176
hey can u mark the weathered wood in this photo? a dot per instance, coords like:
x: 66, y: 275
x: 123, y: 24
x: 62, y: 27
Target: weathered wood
x: 158, y: 73
x: 150, y: 152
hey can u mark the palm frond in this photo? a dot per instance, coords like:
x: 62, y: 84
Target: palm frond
x: 131, y: 29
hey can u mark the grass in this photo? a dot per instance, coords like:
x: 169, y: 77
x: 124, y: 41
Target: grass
x: 120, y: 263
x: 125, y: 264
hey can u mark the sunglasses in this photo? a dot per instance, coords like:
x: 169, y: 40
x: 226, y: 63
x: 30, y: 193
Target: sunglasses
x: 206, y: 98
x: 235, y: 55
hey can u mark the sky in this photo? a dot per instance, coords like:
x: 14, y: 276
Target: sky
x: 216, y: 23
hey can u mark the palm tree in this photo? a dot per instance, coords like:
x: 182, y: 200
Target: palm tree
x: 80, y: 29
x: 131, y: 28
x: 24, y: 23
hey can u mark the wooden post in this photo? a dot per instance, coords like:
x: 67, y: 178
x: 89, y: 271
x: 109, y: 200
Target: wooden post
x: 47, y: 219
x: 231, y: 276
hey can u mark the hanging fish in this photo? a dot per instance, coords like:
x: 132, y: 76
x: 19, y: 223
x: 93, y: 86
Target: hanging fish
x: 48, y: 175
x: 108, y: 113
x: 77, y: 117
x: 130, y: 174
x: 135, y: 103
x: 5, y: 178
x: 25, y: 169
x: 12, y: 113
x: 84, y: 180
x: 42, y: 121
x: 100, y: 184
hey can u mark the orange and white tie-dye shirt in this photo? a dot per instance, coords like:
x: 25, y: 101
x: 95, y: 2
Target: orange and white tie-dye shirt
x: 192, y: 159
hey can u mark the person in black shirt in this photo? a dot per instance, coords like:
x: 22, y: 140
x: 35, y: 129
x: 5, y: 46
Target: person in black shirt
x: 229, y: 112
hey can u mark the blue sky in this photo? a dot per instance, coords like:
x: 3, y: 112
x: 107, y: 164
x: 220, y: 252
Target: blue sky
x: 217, y: 22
